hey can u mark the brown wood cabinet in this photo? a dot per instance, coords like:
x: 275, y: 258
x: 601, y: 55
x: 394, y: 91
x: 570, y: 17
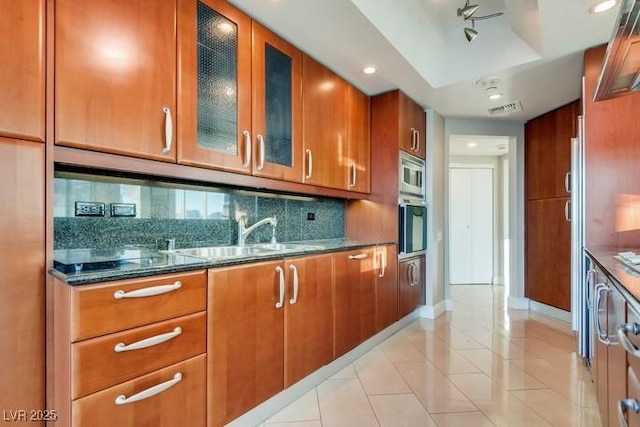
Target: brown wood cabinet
x: 548, y: 252
x: 308, y: 331
x: 115, y: 76
x: 273, y: 314
x: 547, y: 226
x: 239, y: 93
x: 548, y: 152
x: 412, y: 126
x: 633, y: 371
x: 386, y: 265
x: 22, y: 293
x: 182, y: 403
x: 354, y: 296
x: 22, y: 92
x: 325, y: 112
x: 359, y: 142
x: 410, y: 285
x: 124, y: 338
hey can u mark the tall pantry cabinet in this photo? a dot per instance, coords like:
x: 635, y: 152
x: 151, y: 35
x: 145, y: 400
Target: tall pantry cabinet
x: 22, y: 222
x: 548, y: 227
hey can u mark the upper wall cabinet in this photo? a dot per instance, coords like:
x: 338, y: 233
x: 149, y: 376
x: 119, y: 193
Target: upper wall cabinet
x: 115, y: 76
x: 22, y: 72
x: 336, y: 130
x: 240, y: 93
x: 413, y: 126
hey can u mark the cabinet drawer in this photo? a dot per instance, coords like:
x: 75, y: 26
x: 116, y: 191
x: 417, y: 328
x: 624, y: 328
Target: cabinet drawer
x: 181, y: 404
x: 101, y: 309
x: 97, y: 365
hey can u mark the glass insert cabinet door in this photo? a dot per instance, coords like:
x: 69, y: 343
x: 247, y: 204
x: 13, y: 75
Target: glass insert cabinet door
x: 239, y: 93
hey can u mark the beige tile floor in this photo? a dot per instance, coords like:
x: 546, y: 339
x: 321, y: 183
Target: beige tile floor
x: 479, y: 365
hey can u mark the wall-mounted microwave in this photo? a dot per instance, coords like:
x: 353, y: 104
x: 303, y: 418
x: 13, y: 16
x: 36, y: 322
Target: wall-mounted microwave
x: 412, y: 175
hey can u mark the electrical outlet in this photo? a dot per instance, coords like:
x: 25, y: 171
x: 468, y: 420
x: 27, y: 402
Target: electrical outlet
x: 311, y: 216
x: 123, y: 209
x: 89, y: 209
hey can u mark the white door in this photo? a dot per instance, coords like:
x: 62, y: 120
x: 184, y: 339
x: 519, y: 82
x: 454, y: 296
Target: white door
x: 471, y: 225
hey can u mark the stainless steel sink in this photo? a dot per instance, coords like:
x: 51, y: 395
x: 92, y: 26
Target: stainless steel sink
x: 216, y: 252
x: 280, y: 247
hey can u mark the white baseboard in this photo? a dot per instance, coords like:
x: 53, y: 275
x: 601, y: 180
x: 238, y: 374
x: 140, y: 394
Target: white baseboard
x: 448, y: 304
x: 518, y: 303
x: 550, y: 311
x: 270, y: 407
x: 433, y: 311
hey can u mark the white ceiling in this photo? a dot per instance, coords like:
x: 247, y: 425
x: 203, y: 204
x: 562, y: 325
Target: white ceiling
x: 535, y: 49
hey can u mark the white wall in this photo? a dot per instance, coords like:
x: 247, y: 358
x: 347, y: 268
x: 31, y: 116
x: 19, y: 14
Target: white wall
x: 435, y: 193
x: 496, y: 165
x: 514, y: 130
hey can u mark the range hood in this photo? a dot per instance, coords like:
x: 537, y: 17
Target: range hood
x: 621, y: 68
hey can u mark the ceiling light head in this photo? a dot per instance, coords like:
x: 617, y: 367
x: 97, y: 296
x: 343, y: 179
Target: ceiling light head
x: 370, y: 69
x: 603, y: 6
x: 494, y: 96
x: 472, y: 144
x: 470, y: 34
x: 468, y: 10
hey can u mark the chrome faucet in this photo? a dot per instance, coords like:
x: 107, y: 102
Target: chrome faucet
x: 244, y: 232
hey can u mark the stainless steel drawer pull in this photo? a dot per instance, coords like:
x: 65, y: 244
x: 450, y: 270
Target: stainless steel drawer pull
x: 623, y: 406
x: 623, y: 330
x: 168, y: 130
x: 150, y: 392
x: 296, y: 285
x: 148, y: 292
x: 309, y: 164
x: 359, y: 256
x: 603, y: 337
x: 280, y: 302
x: 383, y: 263
x: 262, y: 152
x: 148, y: 342
x: 413, y: 139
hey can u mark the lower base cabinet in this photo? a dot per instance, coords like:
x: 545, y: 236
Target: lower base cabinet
x: 386, y: 258
x: 354, y: 296
x: 169, y: 397
x: 410, y: 285
x: 269, y: 326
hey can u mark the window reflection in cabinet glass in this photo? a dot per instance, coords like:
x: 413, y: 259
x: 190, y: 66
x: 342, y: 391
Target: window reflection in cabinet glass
x: 278, y: 114
x: 217, y: 81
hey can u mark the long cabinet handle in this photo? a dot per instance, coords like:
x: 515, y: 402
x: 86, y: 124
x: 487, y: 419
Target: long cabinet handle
x: 591, y: 275
x: 603, y: 337
x: 567, y: 206
x: 567, y: 180
x: 247, y: 149
x: 148, y: 292
x: 383, y: 263
x: 353, y: 175
x: 623, y: 406
x: 262, y: 152
x: 417, y: 140
x: 623, y: 330
x: 168, y: 130
x: 411, y: 274
x: 413, y: 139
x: 309, y: 164
x: 150, y: 392
x: 280, y: 302
x: 294, y: 269
x: 359, y: 256
x: 148, y: 342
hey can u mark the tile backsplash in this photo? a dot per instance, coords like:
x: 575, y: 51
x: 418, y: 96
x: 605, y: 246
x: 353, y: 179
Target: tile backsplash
x: 193, y: 215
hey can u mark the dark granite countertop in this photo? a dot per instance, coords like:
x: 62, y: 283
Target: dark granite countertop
x: 84, y: 266
x: 625, y: 278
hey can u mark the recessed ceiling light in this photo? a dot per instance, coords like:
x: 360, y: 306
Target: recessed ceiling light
x: 369, y: 70
x: 602, y: 6
x: 471, y: 144
x: 495, y: 96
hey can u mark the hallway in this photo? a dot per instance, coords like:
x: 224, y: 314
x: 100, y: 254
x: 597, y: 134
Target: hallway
x: 479, y: 365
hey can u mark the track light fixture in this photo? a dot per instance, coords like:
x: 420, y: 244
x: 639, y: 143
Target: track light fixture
x: 467, y: 12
